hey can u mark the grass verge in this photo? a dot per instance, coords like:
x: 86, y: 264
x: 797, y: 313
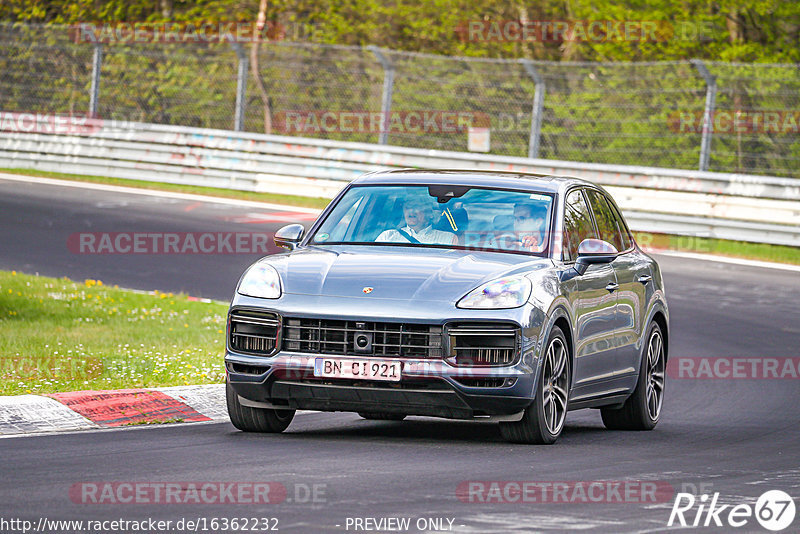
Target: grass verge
x: 58, y: 335
x: 721, y: 247
x: 703, y: 245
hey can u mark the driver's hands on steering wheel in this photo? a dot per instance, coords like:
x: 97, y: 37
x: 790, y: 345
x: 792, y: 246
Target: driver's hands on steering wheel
x: 529, y: 241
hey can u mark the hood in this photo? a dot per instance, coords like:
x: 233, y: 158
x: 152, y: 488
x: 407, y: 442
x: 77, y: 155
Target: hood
x: 401, y: 273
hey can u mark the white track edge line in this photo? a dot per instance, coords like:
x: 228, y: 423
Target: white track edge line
x: 728, y: 259
x: 155, y: 193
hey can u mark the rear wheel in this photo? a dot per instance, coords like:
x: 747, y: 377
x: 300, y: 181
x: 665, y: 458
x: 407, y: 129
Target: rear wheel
x: 382, y: 416
x: 255, y: 419
x: 544, y: 418
x: 642, y: 410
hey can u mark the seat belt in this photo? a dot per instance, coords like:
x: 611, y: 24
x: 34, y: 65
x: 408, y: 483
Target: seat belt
x: 408, y: 236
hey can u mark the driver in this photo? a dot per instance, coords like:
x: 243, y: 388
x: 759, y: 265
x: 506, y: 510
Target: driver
x: 418, y: 215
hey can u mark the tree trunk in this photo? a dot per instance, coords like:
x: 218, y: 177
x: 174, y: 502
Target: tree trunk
x: 166, y: 8
x: 255, y: 69
x: 734, y: 24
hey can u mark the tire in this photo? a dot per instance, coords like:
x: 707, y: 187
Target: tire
x: 642, y: 410
x: 382, y: 416
x: 543, y: 420
x: 250, y: 419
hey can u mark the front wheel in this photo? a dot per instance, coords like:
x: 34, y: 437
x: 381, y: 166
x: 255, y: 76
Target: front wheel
x: 255, y: 419
x: 642, y: 410
x: 544, y: 418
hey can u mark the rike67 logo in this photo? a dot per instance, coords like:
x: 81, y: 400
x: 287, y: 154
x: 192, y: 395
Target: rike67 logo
x: 774, y: 510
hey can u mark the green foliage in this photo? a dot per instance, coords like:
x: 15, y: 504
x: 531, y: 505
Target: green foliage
x: 723, y: 30
x: 606, y: 101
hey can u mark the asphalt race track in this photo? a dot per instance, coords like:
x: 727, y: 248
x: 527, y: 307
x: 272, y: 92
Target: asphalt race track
x: 737, y: 437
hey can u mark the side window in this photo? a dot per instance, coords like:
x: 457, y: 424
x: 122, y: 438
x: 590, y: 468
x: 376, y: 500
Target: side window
x: 606, y: 220
x: 577, y: 224
x: 627, y: 240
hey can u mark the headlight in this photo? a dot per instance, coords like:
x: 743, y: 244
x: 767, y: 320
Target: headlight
x: 498, y: 294
x: 260, y: 280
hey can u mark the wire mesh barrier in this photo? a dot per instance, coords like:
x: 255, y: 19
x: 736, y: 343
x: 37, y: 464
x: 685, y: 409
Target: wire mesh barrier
x: 739, y: 118
x: 42, y: 71
x: 765, y: 135
x: 191, y: 86
x: 304, y: 82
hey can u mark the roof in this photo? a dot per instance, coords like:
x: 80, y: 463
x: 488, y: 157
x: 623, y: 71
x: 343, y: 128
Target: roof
x: 502, y: 179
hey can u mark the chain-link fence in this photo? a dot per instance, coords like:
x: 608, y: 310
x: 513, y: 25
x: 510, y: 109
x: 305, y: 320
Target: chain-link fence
x: 736, y: 117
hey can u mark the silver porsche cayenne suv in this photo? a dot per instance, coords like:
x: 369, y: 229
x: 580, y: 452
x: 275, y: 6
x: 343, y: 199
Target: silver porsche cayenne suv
x: 470, y: 295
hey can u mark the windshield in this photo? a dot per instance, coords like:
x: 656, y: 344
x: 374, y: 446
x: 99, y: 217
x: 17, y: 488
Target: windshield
x: 439, y: 216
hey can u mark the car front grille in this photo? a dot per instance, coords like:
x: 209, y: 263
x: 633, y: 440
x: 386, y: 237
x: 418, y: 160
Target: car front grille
x: 253, y: 332
x: 483, y: 345
x: 338, y: 337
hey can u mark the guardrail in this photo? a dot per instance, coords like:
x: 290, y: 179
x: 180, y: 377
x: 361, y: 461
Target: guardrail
x: 730, y: 206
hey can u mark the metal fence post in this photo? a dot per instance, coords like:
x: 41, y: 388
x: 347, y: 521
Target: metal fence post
x: 386, y: 98
x: 241, y: 87
x: 94, y: 90
x: 537, y: 109
x: 708, y: 114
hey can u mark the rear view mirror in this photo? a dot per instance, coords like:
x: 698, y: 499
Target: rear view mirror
x: 289, y: 236
x: 592, y: 251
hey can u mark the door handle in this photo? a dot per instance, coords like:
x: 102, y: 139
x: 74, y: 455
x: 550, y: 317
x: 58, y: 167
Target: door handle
x: 644, y: 279
x: 612, y: 286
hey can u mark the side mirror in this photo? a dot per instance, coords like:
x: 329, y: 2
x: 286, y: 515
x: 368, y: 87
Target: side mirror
x: 289, y: 236
x: 592, y: 251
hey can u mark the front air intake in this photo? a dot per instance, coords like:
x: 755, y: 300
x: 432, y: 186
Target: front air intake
x: 253, y: 332
x: 483, y: 345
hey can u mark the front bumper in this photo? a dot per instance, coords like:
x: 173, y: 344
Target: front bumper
x: 428, y: 387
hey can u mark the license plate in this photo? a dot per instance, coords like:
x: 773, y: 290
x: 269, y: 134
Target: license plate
x: 359, y: 369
